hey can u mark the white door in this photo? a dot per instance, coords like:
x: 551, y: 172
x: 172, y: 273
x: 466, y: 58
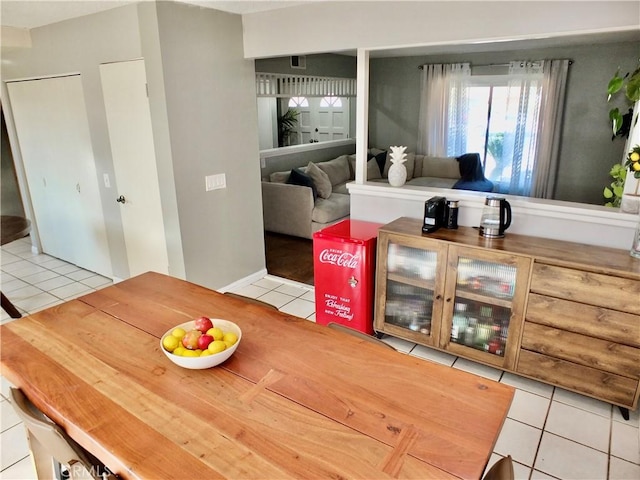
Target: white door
x: 124, y: 87
x: 325, y: 118
x: 53, y: 134
x: 332, y: 118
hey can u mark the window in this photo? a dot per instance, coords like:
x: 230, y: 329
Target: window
x: 331, y: 102
x: 298, y: 102
x: 501, y: 129
x: 496, y: 116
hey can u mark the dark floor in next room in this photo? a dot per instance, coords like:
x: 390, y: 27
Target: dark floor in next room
x: 289, y: 257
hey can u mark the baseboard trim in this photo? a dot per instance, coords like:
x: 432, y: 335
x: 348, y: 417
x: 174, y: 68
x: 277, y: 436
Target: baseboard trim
x: 243, y: 282
x: 289, y: 282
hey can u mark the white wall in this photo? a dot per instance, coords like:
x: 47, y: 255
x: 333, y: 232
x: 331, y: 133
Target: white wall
x: 567, y: 221
x: 334, y: 26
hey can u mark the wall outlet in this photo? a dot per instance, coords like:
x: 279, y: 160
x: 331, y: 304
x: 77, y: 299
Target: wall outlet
x: 214, y: 182
x: 107, y: 182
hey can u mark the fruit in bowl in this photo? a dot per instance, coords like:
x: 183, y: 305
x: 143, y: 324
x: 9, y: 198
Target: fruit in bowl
x: 188, y: 346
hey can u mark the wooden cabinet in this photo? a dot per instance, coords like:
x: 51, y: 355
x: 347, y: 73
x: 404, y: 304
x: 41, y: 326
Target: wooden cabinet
x: 562, y: 313
x: 465, y: 300
x: 582, y: 331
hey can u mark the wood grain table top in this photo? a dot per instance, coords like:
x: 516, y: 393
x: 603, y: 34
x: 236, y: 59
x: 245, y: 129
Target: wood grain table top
x: 296, y: 400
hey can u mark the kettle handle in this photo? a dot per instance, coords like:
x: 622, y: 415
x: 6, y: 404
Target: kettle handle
x: 506, y: 221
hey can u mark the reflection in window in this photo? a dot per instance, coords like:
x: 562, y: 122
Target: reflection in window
x: 298, y: 102
x: 331, y: 102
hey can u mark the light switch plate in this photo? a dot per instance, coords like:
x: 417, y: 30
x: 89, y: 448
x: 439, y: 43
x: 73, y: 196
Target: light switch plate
x: 214, y: 182
x: 107, y: 182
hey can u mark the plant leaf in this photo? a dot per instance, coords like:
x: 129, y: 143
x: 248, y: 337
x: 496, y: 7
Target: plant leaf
x: 633, y: 88
x: 607, y: 192
x: 615, y: 84
x: 616, y: 120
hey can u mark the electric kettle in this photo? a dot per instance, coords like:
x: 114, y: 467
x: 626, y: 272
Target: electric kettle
x: 496, y: 217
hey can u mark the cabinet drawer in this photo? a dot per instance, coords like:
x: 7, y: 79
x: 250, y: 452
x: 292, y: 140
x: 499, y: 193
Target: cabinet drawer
x: 586, y: 287
x: 590, y: 381
x: 590, y: 352
x: 592, y: 321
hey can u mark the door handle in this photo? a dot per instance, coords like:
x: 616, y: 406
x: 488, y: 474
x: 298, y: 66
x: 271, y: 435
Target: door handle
x: 121, y: 199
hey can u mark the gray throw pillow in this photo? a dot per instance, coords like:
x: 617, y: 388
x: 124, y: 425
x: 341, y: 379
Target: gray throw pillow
x: 320, y: 180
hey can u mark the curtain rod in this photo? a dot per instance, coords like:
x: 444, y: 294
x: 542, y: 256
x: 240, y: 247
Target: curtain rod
x: 421, y: 67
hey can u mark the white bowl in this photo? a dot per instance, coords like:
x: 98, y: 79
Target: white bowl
x: 199, y: 363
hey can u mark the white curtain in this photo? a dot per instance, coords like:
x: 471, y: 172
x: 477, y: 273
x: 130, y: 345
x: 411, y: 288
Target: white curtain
x: 521, y: 127
x: 532, y: 141
x: 443, y: 109
x: 550, y: 126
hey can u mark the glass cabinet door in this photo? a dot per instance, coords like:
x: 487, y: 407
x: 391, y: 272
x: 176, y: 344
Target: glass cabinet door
x: 409, y: 298
x: 485, y: 310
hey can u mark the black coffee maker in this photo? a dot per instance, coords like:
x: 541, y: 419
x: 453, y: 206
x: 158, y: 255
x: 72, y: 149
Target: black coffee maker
x: 434, y: 214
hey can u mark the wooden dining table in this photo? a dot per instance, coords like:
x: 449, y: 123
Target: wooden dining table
x: 296, y: 399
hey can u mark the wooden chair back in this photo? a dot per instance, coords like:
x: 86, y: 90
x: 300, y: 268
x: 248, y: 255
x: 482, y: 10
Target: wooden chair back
x: 501, y: 470
x: 51, y: 447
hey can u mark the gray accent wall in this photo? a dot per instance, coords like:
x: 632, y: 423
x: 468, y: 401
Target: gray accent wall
x: 587, y: 152
x: 211, y: 108
x: 322, y: 64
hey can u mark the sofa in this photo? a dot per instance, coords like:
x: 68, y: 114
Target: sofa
x: 306, y: 199
x: 292, y: 205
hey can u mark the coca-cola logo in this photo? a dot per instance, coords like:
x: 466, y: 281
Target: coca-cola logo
x: 339, y: 258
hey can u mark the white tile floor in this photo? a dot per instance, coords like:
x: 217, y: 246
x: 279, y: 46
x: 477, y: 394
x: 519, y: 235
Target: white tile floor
x: 549, y: 432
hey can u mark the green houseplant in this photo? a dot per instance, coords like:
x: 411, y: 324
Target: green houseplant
x: 621, y: 126
x: 287, y: 126
x: 630, y: 84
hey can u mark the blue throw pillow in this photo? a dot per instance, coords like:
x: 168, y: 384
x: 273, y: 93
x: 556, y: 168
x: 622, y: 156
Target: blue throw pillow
x: 298, y: 177
x: 381, y: 159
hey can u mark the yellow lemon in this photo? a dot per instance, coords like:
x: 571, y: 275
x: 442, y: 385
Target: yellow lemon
x: 217, y: 346
x: 189, y: 353
x: 230, y: 338
x: 179, y: 350
x: 206, y: 353
x: 170, y: 343
x: 216, y: 333
x: 636, y: 166
x: 635, y: 156
x: 178, y: 333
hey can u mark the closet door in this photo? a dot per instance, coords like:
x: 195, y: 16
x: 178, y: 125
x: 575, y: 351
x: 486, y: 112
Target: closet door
x: 53, y: 135
x: 124, y: 88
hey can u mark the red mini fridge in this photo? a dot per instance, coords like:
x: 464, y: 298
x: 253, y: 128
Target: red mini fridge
x: 344, y: 264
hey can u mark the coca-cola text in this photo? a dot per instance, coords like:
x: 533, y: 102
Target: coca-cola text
x: 339, y: 258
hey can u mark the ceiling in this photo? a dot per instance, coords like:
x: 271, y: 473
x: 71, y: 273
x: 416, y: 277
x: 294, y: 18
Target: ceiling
x: 36, y: 13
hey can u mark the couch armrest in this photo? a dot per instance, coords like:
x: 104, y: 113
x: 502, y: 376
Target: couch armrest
x: 287, y: 209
